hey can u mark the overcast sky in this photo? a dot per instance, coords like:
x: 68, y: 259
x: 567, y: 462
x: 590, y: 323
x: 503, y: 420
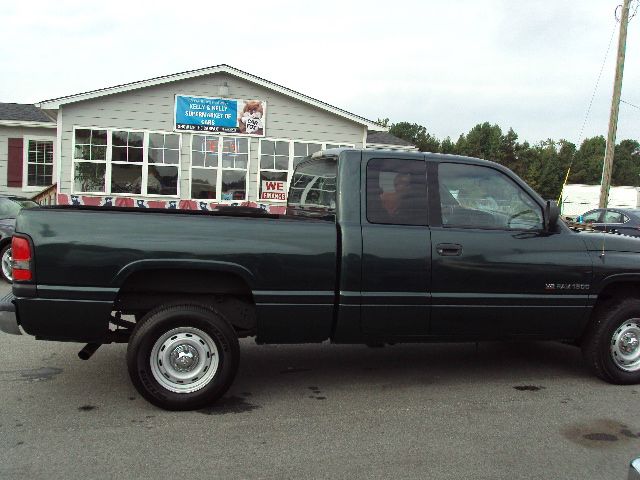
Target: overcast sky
x: 531, y: 65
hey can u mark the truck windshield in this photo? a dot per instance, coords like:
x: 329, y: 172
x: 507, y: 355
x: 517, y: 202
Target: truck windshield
x: 312, y: 192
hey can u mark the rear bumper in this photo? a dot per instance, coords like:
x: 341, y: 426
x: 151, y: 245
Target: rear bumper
x: 61, y: 319
x: 8, y: 317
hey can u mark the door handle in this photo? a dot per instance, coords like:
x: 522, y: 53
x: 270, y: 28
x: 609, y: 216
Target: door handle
x: 449, y: 249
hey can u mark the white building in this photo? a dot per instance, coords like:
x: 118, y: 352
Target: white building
x: 578, y: 199
x: 190, y: 140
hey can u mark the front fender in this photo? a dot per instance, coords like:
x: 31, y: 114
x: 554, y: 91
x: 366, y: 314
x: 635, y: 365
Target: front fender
x: 617, y: 278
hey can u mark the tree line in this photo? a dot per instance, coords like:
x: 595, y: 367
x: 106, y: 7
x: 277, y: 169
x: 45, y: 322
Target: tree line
x: 542, y: 165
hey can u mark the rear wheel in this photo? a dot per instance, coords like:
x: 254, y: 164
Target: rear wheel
x: 183, y: 357
x: 612, y: 346
x: 5, y: 259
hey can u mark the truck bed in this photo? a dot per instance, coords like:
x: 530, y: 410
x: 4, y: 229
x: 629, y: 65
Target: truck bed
x: 85, y: 255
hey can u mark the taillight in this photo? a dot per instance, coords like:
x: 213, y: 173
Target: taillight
x: 21, y: 258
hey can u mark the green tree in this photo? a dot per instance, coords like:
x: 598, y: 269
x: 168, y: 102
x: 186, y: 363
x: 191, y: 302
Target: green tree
x: 626, y: 163
x: 551, y: 168
x: 417, y: 135
x: 484, y: 141
x: 543, y: 165
x: 566, y: 154
x: 447, y: 146
x: 587, y: 163
x: 507, y: 155
x: 461, y: 145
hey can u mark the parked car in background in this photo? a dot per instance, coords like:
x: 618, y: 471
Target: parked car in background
x: 619, y: 220
x: 9, y: 208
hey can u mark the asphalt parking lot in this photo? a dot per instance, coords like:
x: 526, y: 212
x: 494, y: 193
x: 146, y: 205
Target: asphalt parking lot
x: 321, y: 411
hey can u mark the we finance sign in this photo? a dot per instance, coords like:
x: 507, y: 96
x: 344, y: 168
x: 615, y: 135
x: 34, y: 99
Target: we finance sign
x: 220, y: 115
x: 273, y: 190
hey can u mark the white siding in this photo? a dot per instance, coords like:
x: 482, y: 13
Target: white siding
x: 19, y: 132
x: 152, y: 108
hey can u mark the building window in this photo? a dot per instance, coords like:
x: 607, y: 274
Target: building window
x: 302, y: 150
x: 89, y: 160
x: 39, y: 163
x: 127, y: 156
x: 126, y: 162
x: 163, y: 164
x: 274, y: 169
x: 278, y: 159
x: 219, y: 167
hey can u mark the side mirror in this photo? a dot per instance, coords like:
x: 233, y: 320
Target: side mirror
x: 551, y: 214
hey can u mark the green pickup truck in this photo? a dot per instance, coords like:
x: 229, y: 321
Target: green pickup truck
x: 376, y: 247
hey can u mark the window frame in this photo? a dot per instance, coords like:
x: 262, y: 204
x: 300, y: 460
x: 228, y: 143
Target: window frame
x: 109, y: 162
x: 146, y: 163
x: 25, y: 162
x: 219, y: 168
x: 107, y: 171
x: 290, y: 168
x: 472, y: 227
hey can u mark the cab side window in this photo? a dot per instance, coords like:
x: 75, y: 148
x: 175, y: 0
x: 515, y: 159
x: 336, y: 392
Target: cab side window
x: 397, y: 191
x: 474, y: 196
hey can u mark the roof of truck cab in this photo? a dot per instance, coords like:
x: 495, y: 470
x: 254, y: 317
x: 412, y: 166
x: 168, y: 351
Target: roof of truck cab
x: 441, y: 157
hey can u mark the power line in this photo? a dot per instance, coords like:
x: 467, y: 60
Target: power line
x: 595, y: 89
x: 593, y: 95
x: 607, y: 167
x: 633, y: 6
x: 630, y: 104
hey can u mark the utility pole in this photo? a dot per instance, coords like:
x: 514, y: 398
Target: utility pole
x: 615, y: 107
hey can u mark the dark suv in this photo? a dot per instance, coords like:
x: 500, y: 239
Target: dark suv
x: 9, y: 208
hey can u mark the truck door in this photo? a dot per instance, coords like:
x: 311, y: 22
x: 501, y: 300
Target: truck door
x: 495, y: 271
x: 396, y: 252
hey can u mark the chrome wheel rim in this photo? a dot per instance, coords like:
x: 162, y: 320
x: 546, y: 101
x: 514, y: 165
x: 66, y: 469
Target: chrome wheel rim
x: 625, y: 345
x: 184, y: 360
x: 7, y: 268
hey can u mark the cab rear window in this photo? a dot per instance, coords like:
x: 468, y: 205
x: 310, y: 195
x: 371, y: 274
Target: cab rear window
x: 312, y: 191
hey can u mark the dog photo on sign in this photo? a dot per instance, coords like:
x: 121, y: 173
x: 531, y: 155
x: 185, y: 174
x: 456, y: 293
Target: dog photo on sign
x: 251, y: 118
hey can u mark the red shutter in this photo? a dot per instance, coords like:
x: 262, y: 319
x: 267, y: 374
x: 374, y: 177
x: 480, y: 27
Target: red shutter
x: 14, y: 167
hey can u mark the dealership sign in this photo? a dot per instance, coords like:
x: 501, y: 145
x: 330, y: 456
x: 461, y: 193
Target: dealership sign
x: 220, y: 115
x: 273, y: 190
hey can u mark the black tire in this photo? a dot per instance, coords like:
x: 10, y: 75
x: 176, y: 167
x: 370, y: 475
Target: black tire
x: 2, y: 252
x: 597, y: 344
x: 155, y: 326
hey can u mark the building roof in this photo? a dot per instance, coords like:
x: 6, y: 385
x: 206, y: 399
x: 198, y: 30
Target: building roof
x: 55, y: 103
x: 24, y: 114
x: 385, y: 138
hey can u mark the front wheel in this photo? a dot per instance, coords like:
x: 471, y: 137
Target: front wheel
x: 612, y: 346
x: 183, y: 357
x: 7, y: 268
